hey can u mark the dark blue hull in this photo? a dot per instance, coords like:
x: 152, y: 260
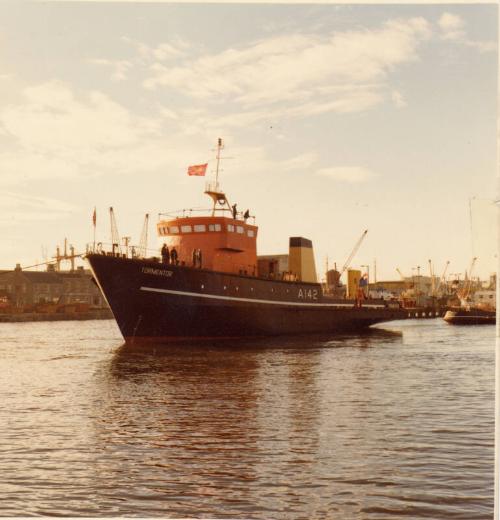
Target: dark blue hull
x: 153, y: 301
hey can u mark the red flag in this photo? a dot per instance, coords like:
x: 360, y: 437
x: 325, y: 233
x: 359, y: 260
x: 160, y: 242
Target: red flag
x: 94, y: 218
x: 198, y: 169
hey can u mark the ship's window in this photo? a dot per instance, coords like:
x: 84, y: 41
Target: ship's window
x: 250, y: 233
x: 230, y: 227
x: 214, y: 227
x: 186, y: 229
x: 240, y: 229
x: 200, y: 228
x: 173, y: 229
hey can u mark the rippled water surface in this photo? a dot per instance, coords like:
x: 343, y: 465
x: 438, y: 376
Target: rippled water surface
x: 396, y: 423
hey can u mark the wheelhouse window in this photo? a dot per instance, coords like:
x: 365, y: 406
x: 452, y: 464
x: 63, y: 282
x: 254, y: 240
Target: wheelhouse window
x: 173, y: 229
x: 200, y: 228
x: 230, y: 227
x: 250, y: 233
x: 240, y: 229
x: 186, y: 229
x: 214, y: 227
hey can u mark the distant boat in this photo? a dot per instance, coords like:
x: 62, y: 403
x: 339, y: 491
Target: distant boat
x: 470, y: 316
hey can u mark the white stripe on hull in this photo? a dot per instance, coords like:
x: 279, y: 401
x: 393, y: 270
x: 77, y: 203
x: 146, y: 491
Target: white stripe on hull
x: 255, y: 300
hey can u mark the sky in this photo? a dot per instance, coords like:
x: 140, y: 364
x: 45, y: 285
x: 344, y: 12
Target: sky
x: 335, y: 119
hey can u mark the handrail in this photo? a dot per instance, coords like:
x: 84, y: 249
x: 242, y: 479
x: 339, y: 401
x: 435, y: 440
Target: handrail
x: 176, y: 213
x: 131, y: 250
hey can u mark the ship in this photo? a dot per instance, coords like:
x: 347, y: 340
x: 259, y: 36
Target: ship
x: 209, y: 283
x: 470, y: 315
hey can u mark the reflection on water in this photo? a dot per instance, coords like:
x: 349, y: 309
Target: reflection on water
x: 388, y: 424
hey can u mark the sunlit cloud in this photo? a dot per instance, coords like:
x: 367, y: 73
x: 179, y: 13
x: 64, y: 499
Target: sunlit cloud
x: 453, y: 28
x: 350, y: 174
x: 165, y: 51
x: 119, y: 68
x: 398, y: 99
x: 26, y: 208
x: 307, y: 71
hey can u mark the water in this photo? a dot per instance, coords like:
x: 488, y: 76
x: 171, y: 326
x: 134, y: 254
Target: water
x: 390, y: 424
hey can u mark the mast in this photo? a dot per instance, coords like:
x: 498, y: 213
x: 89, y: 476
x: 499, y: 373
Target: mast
x: 143, y: 242
x: 115, y: 236
x: 219, y: 148
x: 213, y: 189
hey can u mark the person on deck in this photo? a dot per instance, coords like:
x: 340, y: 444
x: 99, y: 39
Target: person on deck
x: 246, y: 215
x: 235, y: 212
x: 165, y: 256
x: 173, y: 256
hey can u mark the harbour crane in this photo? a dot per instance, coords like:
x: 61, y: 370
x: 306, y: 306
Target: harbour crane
x: 353, y: 252
x: 115, y: 236
x: 143, y: 242
x: 433, y: 282
x: 468, y: 283
x: 442, y: 280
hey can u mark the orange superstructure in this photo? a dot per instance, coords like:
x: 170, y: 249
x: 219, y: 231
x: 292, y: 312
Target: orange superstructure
x: 226, y: 244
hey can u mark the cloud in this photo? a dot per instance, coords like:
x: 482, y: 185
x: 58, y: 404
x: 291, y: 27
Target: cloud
x: 52, y: 119
x: 57, y: 134
x: 350, y: 174
x: 482, y: 46
x: 26, y: 208
x: 398, y: 99
x: 119, y: 67
x: 307, y: 72
x: 300, y: 162
x: 166, y: 51
x: 453, y: 28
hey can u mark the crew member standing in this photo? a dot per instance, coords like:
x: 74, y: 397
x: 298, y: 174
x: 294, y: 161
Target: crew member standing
x: 173, y: 256
x: 165, y: 256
